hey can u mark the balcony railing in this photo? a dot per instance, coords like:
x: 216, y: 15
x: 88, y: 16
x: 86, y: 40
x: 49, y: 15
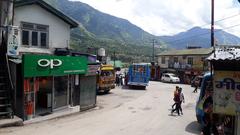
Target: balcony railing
x: 179, y: 66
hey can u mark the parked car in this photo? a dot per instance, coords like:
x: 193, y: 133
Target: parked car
x: 170, y: 77
x: 196, y: 81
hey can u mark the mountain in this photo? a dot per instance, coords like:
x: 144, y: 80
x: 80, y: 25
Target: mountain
x: 103, y: 25
x: 97, y: 29
x: 130, y: 42
x: 199, y: 37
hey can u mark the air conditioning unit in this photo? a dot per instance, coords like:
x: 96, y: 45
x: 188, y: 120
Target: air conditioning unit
x: 13, y: 40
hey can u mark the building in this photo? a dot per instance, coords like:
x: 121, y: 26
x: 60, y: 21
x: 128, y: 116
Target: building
x: 45, y: 76
x: 187, y: 63
x: 42, y: 27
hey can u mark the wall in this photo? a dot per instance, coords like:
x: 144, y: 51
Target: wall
x: 160, y: 61
x: 197, y: 61
x: 59, y: 31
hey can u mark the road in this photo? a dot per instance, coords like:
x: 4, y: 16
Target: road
x: 124, y: 112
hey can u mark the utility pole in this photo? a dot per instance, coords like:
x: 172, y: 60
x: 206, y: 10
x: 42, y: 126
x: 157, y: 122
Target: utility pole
x: 114, y: 58
x: 212, y: 25
x: 153, y: 51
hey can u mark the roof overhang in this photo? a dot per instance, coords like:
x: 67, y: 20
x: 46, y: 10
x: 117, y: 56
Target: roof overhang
x: 50, y: 9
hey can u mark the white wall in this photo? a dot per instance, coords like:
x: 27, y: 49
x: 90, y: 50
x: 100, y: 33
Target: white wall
x: 160, y: 61
x: 59, y: 31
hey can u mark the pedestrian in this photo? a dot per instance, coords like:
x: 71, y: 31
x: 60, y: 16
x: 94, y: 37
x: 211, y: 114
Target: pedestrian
x: 195, y: 84
x: 177, y: 101
x: 182, y: 100
x: 174, y: 96
x: 117, y: 79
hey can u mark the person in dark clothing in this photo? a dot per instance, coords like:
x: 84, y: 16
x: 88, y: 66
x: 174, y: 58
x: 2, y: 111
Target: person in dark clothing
x: 209, y: 126
x: 195, y: 89
x: 177, y: 101
x: 174, y: 95
x: 117, y: 80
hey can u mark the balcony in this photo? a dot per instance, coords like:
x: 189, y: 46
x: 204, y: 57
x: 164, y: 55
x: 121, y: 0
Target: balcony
x: 178, y: 65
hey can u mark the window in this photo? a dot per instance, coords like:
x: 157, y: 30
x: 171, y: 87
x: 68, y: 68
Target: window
x: 34, y: 38
x: 34, y: 35
x: 190, y: 61
x: 163, y: 60
x: 25, y: 37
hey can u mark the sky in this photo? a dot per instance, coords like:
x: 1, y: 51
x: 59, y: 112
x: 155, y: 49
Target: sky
x: 169, y: 17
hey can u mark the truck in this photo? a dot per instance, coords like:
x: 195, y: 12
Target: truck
x: 106, y: 79
x: 138, y: 75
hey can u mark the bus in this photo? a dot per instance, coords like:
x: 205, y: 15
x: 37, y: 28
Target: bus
x: 139, y: 75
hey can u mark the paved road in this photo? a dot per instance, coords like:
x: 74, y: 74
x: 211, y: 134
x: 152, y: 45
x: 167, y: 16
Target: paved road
x: 124, y: 112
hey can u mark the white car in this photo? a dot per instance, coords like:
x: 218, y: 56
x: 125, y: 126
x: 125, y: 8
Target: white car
x: 170, y: 77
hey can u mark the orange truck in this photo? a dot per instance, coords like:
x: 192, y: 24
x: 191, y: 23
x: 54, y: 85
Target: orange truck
x: 106, y: 78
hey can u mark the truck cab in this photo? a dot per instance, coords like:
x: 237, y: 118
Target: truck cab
x: 106, y: 78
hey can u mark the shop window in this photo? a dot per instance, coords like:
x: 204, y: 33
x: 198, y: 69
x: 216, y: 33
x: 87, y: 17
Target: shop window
x: 35, y: 35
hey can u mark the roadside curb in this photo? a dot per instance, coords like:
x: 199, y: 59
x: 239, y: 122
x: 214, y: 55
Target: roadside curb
x: 16, y: 121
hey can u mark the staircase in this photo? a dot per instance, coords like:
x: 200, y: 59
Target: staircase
x: 5, y: 89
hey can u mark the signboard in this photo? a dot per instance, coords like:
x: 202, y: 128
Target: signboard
x: 50, y: 65
x: 226, y: 98
x: 92, y: 69
x: 13, y: 41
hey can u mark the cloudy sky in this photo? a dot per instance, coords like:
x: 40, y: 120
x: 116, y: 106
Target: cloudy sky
x: 168, y: 17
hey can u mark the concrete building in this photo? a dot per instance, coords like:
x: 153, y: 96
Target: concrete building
x: 42, y: 27
x: 188, y: 62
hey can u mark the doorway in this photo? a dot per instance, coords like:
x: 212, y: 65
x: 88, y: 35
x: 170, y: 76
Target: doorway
x: 43, y: 96
x: 60, y: 92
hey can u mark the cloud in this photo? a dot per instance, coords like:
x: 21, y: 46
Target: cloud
x: 168, y: 17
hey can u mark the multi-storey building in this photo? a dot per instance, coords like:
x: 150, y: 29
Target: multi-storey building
x: 187, y: 63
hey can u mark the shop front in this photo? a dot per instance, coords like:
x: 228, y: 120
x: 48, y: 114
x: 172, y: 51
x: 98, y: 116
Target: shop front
x: 47, y: 82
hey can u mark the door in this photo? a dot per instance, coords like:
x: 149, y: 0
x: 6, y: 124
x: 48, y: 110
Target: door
x: 87, y: 92
x: 60, y: 92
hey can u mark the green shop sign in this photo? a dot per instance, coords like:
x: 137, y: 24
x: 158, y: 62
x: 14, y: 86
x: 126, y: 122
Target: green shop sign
x: 50, y: 65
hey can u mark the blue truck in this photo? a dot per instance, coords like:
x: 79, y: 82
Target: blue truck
x: 138, y: 75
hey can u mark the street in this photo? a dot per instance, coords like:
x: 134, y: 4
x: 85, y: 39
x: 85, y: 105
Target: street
x: 125, y: 112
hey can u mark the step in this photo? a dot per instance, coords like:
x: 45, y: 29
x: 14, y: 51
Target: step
x: 2, y: 91
x: 2, y: 84
x: 4, y: 113
x: 2, y: 98
x: 5, y: 105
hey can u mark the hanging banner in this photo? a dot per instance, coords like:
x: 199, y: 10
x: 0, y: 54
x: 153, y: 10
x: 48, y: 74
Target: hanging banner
x: 226, y: 98
x: 13, y: 41
x: 50, y: 65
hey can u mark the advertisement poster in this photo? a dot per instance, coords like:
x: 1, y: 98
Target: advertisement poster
x: 13, y: 41
x: 226, y: 98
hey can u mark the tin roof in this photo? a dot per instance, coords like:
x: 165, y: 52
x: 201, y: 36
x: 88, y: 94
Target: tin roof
x: 225, y: 53
x: 199, y: 51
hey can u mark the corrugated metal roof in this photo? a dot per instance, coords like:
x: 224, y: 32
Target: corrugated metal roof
x: 225, y: 53
x: 200, y: 51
